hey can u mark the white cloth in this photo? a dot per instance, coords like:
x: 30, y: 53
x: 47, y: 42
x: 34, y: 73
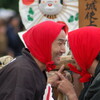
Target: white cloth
x: 48, y: 93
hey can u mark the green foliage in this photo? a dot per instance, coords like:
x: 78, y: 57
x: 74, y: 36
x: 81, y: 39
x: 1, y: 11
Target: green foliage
x: 11, y: 4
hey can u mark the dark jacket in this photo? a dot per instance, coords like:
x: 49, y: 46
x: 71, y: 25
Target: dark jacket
x: 22, y: 79
x: 91, y: 90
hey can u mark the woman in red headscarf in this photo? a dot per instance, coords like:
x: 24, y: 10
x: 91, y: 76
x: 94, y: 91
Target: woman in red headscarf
x: 25, y: 77
x: 84, y: 44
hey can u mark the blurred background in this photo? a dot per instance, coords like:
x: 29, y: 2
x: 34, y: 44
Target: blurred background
x: 9, y: 4
x: 10, y: 25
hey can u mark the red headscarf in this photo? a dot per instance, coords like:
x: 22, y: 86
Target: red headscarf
x: 39, y: 41
x: 85, y: 46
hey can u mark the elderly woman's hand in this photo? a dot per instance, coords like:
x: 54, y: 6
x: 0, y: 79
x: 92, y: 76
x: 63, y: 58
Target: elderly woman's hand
x: 54, y: 78
x: 66, y: 87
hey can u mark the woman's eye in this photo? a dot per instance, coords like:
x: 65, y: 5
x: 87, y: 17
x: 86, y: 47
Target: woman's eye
x: 59, y: 44
x: 64, y: 43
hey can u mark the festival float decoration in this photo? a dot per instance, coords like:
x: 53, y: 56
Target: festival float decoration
x: 35, y: 11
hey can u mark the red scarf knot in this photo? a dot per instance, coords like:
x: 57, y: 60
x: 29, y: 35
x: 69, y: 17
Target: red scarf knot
x: 85, y: 76
x: 50, y: 66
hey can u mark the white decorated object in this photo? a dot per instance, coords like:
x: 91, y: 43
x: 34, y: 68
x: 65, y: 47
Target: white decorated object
x: 50, y: 7
x: 48, y: 93
x: 35, y: 11
x: 20, y: 34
